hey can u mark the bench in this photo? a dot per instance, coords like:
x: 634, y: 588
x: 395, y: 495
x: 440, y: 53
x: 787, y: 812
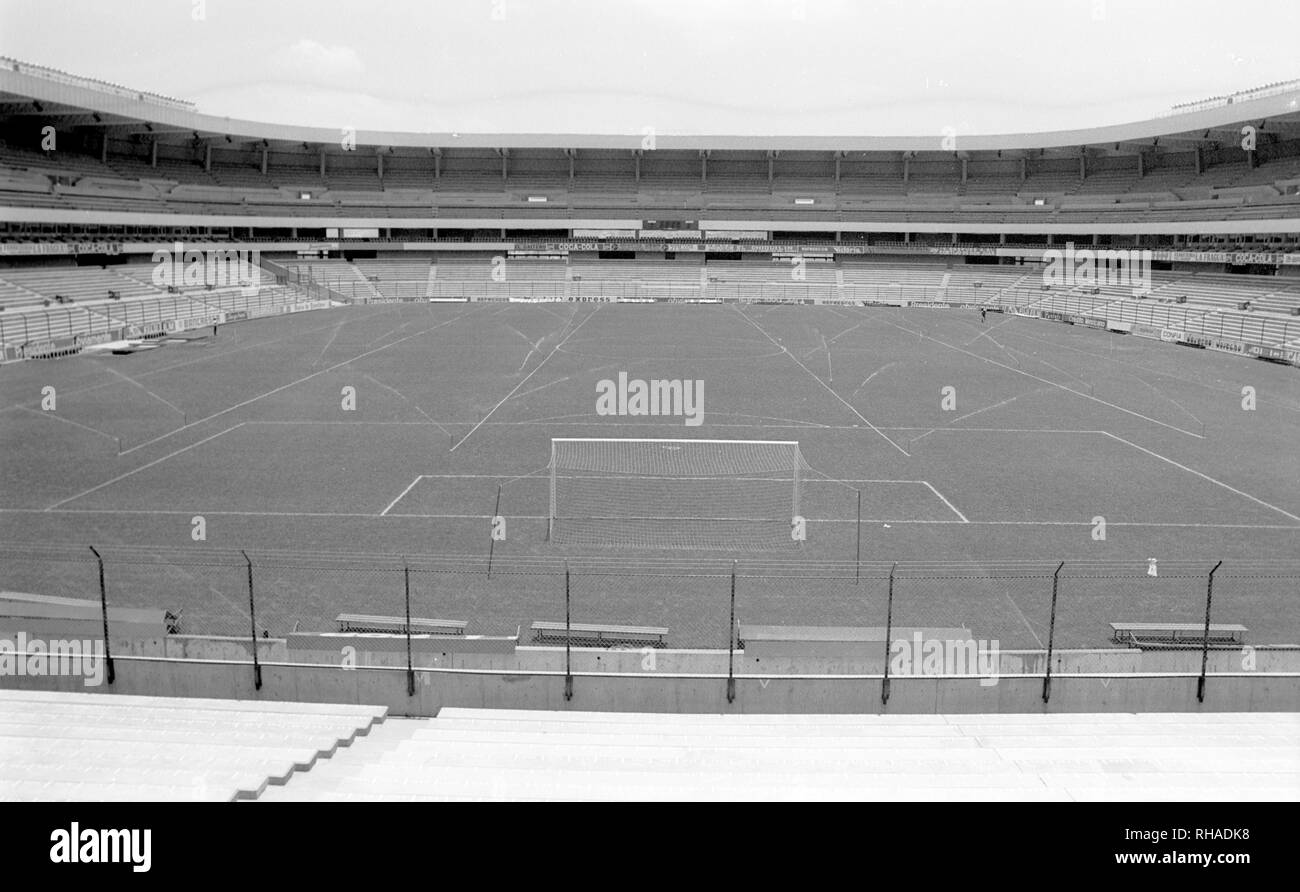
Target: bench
x: 1177, y: 634
x: 396, y: 625
x: 599, y: 634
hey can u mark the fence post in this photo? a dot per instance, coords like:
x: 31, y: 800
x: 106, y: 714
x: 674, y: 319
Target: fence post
x: 857, y: 560
x: 1051, y: 634
x: 1205, y: 640
x: 252, y: 620
x: 410, y: 671
x: 103, y: 609
x: 731, y: 641
x: 568, y: 639
x: 889, y: 631
x: 492, y: 537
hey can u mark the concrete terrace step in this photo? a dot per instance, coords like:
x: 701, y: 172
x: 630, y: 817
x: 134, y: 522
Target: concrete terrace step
x: 467, y: 754
x: 95, y: 746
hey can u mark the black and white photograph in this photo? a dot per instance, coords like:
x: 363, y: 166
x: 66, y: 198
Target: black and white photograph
x: 649, y: 401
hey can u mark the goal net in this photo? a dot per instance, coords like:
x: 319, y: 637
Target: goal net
x: 674, y: 494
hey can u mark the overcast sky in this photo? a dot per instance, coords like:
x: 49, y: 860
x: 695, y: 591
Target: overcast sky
x: 766, y: 67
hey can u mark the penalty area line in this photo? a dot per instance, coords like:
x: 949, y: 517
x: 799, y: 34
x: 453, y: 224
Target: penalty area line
x: 401, y: 495
x: 926, y: 483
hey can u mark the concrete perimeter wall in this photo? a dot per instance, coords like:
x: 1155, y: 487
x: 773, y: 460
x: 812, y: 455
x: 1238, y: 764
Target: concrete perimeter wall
x: 661, y: 691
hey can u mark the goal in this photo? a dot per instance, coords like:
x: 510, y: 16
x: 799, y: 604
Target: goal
x: 674, y: 494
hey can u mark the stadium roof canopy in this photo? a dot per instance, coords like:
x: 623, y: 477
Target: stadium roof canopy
x: 72, y: 102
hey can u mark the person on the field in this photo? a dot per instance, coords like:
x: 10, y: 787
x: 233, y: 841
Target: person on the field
x: 982, y: 311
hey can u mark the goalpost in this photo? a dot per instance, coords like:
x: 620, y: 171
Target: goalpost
x: 666, y: 493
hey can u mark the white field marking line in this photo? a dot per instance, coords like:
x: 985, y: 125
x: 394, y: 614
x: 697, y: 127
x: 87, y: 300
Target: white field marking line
x: 402, y: 495
x: 945, y: 501
x: 161, y: 512
x: 325, y: 371
x: 994, y: 406
x: 404, y: 399
x: 329, y: 343
x: 177, y: 365
x: 594, y: 371
x: 1142, y: 368
x: 1160, y: 393
x: 796, y: 361
x: 922, y: 437
x: 164, y: 458
x: 525, y: 362
x: 1086, y: 396
x: 786, y: 422
x: 986, y: 331
x: 1030, y: 356
x: 1203, y: 476
x: 846, y: 331
x: 130, y: 380
x: 571, y: 333
x: 830, y: 372
x: 1020, y: 613
x: 542, y: 386
x: 867, y: 380
x: 52, y: 416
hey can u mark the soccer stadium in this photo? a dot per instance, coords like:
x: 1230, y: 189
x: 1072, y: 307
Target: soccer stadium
x: 400, y: 463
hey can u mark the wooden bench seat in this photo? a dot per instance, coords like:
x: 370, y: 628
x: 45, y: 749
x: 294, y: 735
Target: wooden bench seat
x: 1177, y: 634
x: 396, y: 625
x: 600, y: 634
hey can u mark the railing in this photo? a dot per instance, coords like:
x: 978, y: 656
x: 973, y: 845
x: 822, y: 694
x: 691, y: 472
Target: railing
x: 974, y: 618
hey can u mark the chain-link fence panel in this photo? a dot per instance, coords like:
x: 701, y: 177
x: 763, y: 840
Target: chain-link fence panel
x: 496, y: 599
x: 1254, y: 617
x: 191, y: 593
x: 970, y: 619
x: 1105, y: 608
x: 638, y: 605
x: 334, y: 609
x: 810, y: 619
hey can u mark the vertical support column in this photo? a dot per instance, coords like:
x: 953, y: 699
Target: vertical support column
x: 410, y: 669
x: 837, y: 171
x: 103, y: 149
x: 322, y: 162
x: 103, y: 609
x: 889, y: 632
x: 1051, y: 635
x: 1083, y: 167
x: 252, y: 621
x: 636, y: 157
x: 568, y: 639
x: 550, y: 516
x: 379, y: 165
x: 265, y: 153
x: 153, y: 153
x: 492, y: 539
x: 1024, y: 169
x: 1142, y: 163
x: 965, y: 162
x: 207, y: 157
x: 857, y: 557
x: 731, y: 641
x: 1205, y: 641
x: 1200, y: 164
x: 505, y: 170
x: 704, y: 168
x: 907, y: 168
